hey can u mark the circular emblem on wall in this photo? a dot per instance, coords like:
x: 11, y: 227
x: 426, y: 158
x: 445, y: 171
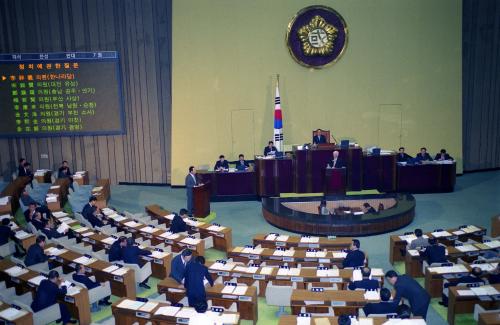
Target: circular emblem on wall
x: 316, y: 36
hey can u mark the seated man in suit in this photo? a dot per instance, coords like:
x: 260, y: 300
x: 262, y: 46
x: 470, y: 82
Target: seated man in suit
x: 241, y: 164
x: 420, y: 241
x: 336, y: 161
x: 355, y: 257
x: 406, y: 287
x: 29, y: 214
x: 270, y: 150
x: 36, y: 252
x: 222, y: 165
x: 7, y: 233
x: 384, y: 306
x: 473, y: 277
x: 443, y: 155
x: 50, y: 230
x: 319, y: 137
x: 132, y: 254
x: 178, y: 224
x: 80, y: 276
x: 92, y: 213
x: 366, y: 283
x: 27, y: 200
x: 178, y: 265
x: 38, y: 222
x: 494, y: 275
x: 47, y: 293
x: 435, y: 253
x: 194, y: 277
x: 422, y: 156
x: 367, y: 208
x: 116, y: 249
x: 403, y: 156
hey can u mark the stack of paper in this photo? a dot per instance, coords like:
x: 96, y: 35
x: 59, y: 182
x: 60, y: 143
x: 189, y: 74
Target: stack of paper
x: 289, y: 272
x: 111, y: 268
x: 173, y: 236
x: 216, y: 228
x: 148, y: 307
x: 486, y: 290
x: 16, y: 271
x: 168, y: 311
x: 493, y: 243
x: 4, y: 200
x: 466, y: 248
x: 97, y: 189
x: 328, y: 273
x: 80, y: 172
x: 228, y: 289
x: 372, y: 295
x: 309, y: 239
x: 227, y: 319
x: 107, y: 211
x: 87, y: 234
x: 132, y: 224
x: 377, y: 272
x: 186, y: 312
x: 278, y: 252
x: 271, y: 237
x: 158, y: 255
x: 81, y: 229
x: 36, y: 280
x: 149, y: 229
x: 59, y: 214
x: 358, y: 213
x: 192, y: 223
x: 84, y: 260
x: 249, y: 250
x: 119, y: 218
x: 320, y: 254
x: 21, y: 234
x: 190, y: 241
x: 54, y: 251
x: 471, y: 228
x: 130, y: 304
x: 109, y: 240
x: 51, y: 198
x: 356, y: 275
x: 457, y: 268
x: 438, y: 234
x: 62, y: 228
x: 282, y: 238
x: 71, y: 291
x: 413, y: 252
x: 266, y: 270
x: 11, y: 313
x: 121, y: 271
x: 66, y: 220
x: 458, y: 232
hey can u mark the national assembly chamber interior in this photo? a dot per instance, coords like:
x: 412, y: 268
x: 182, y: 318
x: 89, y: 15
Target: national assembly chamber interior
x: 258, y: 162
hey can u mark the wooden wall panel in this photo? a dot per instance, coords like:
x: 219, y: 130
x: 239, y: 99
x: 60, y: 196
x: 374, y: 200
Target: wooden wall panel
x: 140, y: 30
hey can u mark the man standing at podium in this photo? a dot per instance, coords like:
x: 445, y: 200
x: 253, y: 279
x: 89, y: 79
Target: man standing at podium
x: 336, y: 162
x: 190, y: 183
x: 319, y: 138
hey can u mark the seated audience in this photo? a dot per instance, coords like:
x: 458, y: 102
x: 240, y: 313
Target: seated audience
x: 222, y: 165
x: 270, y: 150
x: 403, y: 156
x: 50, y: 230
x: 64, y: 172
x: 131, y: 255
x: 80, y: 276
x: 366, y: 283
x: 28, y: 200
x: 408, y: 288
x: 92, y: 213
x: 422, y: 156
x: 242, y: 165
x: 116, y: 249
x: 443, y: 155
x: 473, y: 277
x: 178, y: 265
x: 367, y: 208
x: 355, y: 257
x: 36, y: 253
x: 420, y: 241
x: 383, y: 307
x: 38, y: 222
x: 178, y: 224
x: 435, y: 253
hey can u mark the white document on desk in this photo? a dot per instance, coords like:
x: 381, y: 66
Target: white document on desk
x: 228, y: 289
x: 11, y: 313
x: 149, y: 306
x: 168, y: 311
x: 130, y: 304
x: 240, y: 290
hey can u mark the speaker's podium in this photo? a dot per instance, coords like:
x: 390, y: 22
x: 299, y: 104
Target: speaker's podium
x: 335, y: 181
x: 201, y: 200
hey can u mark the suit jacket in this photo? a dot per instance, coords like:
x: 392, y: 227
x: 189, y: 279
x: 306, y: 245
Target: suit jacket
x: 27, y: 215
x: 47, y: 295
x: 320, y: 139
x: 193, y: 280
x: 443, y: 157
x: 51, y: 233
x: 406, y: 287
x: 419, y: 242
x: 95, y: 221
x: 5, y: 234
x: 39, y: 224
x: 224, y: 164
x: 21, y: 171
x: 178, y: 224
x: 420, y: 158
x: 86, y: 281
x: 383, y: 307
x: 35, y: 255
x: 115, y: 252
x: 190, y: 182
x: 177, y: 268
x: 63, y: 172
x: 267, y: 150
x: 364, y: 284
x: 338, y: 164
x: 88, y: 210
x: 435, y: 254
x: 403, y: 157
x: 494, y: 278
x: 131, y: 254
x: 354, y: 258
x: 242, y: 166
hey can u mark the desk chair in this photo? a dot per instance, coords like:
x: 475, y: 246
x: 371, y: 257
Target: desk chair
x: 44, y: 316
x: 478, y: 309
x: 141, y: 273
x: 277, y: 295
x: 7, y: 249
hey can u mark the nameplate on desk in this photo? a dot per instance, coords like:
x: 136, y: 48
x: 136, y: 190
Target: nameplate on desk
x: 309, y: 259
x: 281, y: 277
x: 297, y: 279
x: 236, y: 275
x: 259, y: 277
x: 335, y: 280
x: 195, y: 229
x: 182, y: 320
x: 146, y: 235
x: 287, y: 259
x: 229, y: 297
x: 118, y: 278
x: 254, y: 257
x: 303, y: 245
x: 313, y: 245
x: 324, y: 260
x: 338, y: 303
x: 280, y: 244
x: 157, y: 261
x: 141, y: 314
x: 245, y: 298
x: 275, y: 258
x: 69, y: 299
x: 222, y: 273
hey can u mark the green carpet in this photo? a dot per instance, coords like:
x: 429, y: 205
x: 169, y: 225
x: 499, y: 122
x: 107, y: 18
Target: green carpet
x: 285, y: 195
x: 363, y: 192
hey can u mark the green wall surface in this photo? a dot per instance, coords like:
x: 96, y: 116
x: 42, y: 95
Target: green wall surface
x: 397, y: 83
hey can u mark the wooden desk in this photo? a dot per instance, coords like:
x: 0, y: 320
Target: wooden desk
x: 434, y: 281
x: 465, y: 304
x: 292, y: 320
x: 396, y: 244
x: 45, y: 177
x: 247, y: 303
x: 495, y: 226
x: 26, y: 319
x: 78, y: 304
x: 489, y: 319
x: 83, y: 179
x: 223, y: 239
x: 298, y: 243
x: 426, y: 178
x: 102, y: 191
x: 14, y: 190
x: 6, y: 208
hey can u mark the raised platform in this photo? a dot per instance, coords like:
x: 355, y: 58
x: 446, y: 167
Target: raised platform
x: 301, y: 215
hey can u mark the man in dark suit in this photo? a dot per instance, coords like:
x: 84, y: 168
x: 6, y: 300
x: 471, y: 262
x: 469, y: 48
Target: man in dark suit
x: 178, y: 224
x: 222, y: 165
x: 403, y: 156
x: 406, y: 287
x: 91, y: 213
x: 38, y: 222
x: 115, y: 252
x: 190, y: 182
x: 51, y: 232
x: 336, y: 161
x: 473, y: 277
x: 384, y: 306
x: 29, y: 214
x: 80, y: 276
x: 195, y: 273
x: 435, y: 253
x: 5, y: 232
x: 131, y: 255
x: 27, y: 200
x: 241, y: 164
x: 27, y: 172
x: 367, y: 208
x: 21, y: 171
x: 270, y: 150
x: 64, y: 172
x: 47, y: 293
x: 366, y: 283
x: 319, y: 138
x: 36, y: 253
x: 178, y: 265
x: 423, y: 156
x: 443, y: 155
x: 355, y: 257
